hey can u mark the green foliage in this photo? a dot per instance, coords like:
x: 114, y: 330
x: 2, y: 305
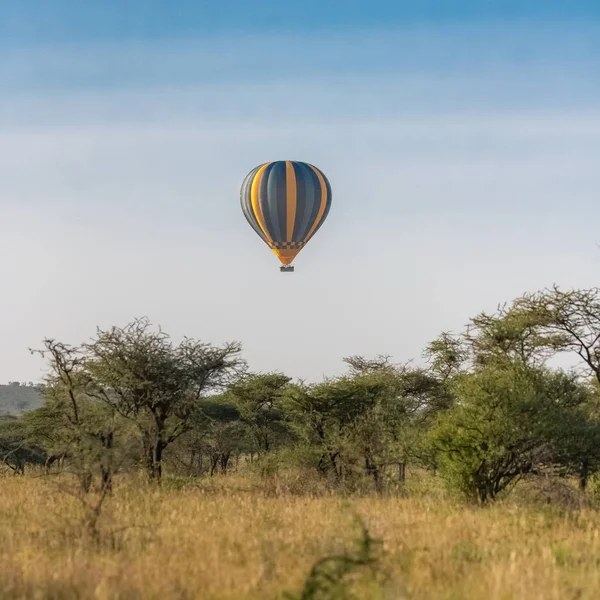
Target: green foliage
x: 259, y: 400
x: 570, y: 319
x: 216, y: 433
x: 327, y: 415
x: 447, y: 356
x: 507, y: 421
x: 486, y: 411
x: 156, y: 385
x: 365, y: 422
x: 73, y: 422
x: 16, y: 447
x: 511, y: 334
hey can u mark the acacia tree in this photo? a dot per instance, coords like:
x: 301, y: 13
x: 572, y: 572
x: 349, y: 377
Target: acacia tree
x: 571, y: 320
x: 216, y: 434
x: 390, y: 430
x: 532, y: 329
x: 509, y: 420
x: 156, y: 384
x: 528, y: 332
x: 73, y: 422
x: 447, y: 356
x: 508, y: 334
x: 258, y: 398
x: 366, y: 421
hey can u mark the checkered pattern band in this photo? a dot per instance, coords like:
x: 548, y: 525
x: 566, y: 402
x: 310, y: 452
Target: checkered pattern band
x: 288, y: 245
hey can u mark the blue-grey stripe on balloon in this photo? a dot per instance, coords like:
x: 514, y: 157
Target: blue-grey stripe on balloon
x: 316, y: 204
x: 275, y: 186
x: 302, y: 224
x: 300, y: 196
x: 263, y: 198
x: 282, y: 200
x: 327, y: 204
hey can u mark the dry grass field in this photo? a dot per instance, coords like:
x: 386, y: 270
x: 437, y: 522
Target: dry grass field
x: 237, y: 538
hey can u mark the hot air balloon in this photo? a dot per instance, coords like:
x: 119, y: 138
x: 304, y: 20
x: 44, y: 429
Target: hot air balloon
x: 285, y: 202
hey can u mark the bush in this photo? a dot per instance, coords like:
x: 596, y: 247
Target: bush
x: 508, y: 419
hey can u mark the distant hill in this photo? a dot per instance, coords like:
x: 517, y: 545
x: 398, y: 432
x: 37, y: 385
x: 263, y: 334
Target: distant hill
x: 16, y: 398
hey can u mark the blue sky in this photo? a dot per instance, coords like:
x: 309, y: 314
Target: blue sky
x: 461, y: 139
x: 40, y: 21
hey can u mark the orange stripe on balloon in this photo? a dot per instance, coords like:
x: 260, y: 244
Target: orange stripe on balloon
x: 256, y: 207
x: 290, y: 182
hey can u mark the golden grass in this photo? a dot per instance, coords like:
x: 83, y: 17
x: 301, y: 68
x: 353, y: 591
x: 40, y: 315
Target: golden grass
x: 226, y: 540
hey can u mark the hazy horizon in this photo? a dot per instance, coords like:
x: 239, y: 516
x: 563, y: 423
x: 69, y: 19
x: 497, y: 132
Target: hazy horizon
x: 462, y: 157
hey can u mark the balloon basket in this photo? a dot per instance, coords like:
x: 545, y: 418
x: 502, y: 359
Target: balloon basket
x: 286, y: 269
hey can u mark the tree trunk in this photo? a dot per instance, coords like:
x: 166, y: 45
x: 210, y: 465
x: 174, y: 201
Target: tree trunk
x: 402, y: 472
x: 154, y: 444
x: 266, y: 441
x: 224, y: 461
x: 321, y: 464
x: 55, y: 458
x: 333, y: 462
x: 373, y: 470
x: 485, y: 492
x: 214, y: 461
x: 106, y: 463
x: 157, y: 463
x: 106, y: 481
x: 85, y: 481
x: 154, y: 460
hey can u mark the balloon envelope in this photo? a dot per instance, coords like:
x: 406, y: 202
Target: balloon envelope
x: 285, y: 202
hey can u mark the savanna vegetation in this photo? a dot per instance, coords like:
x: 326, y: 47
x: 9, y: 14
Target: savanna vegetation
x: 158, y: 469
